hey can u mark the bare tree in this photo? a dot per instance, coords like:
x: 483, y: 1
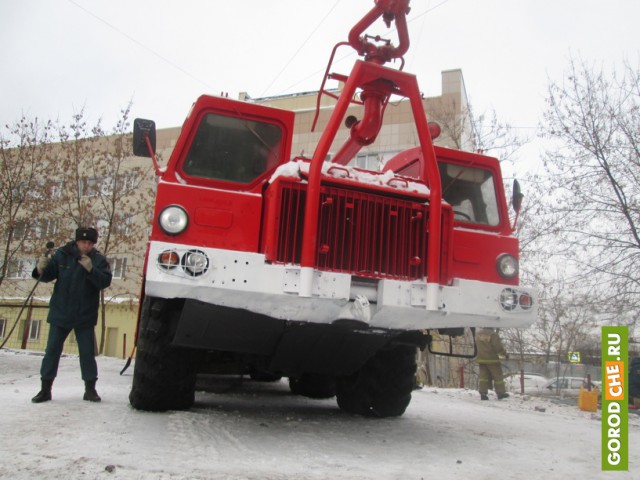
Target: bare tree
x: 485, y: 132
x: 566, y: 323
x: 593, y: 180
x: 106, y: 189
x: 23, y: 191
x: 125, y: 198
x: 79, y: 195
x: 56, y: 177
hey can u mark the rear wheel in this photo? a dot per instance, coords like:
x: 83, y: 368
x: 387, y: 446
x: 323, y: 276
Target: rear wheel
x: 382, y: 387
x: 164, y: 377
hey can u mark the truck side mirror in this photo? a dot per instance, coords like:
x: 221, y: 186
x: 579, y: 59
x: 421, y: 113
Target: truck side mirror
x: 516, y: 200
x: 143, y: 130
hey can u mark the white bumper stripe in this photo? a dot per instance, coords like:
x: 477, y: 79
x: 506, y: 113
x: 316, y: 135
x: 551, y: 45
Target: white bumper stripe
x: 244, y: 280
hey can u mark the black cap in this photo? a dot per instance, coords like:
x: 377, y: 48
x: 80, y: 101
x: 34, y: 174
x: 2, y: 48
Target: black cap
x: 90, y: 234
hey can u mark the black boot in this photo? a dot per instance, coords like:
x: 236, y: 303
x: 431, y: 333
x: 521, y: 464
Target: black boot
x: 503, y: 395
x: 90, y: 393
x: 44, y: 395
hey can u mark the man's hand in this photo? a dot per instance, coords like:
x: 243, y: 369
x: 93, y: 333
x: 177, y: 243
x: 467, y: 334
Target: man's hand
x: 42, y: 263
x: 85, y: 261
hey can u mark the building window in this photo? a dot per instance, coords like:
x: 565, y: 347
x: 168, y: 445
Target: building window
x: 368, y: 161
x: 56, y: 188
x: 123, y: 225
x: 90, y: 186
x: 3, y: 326
x: 19, y: 230
x: 127, y: 183
x: 46, y: 228
x: 118, y: 267
x: 34, y: 330
x: 43, y: 228
x: 20, y: 269
x: 105, y: 185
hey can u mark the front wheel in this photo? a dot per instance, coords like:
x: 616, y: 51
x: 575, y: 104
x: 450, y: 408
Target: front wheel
x: 382, y: 387
x: 164, y: 377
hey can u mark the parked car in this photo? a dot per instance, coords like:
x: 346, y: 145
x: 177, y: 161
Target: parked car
x: 533, y: 383
x: 568, y: 386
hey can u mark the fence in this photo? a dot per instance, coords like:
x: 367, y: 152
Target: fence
x: 449, y: 372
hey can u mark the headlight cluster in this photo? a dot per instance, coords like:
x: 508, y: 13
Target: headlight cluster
x: 192, y: 262
x: 511, y: 298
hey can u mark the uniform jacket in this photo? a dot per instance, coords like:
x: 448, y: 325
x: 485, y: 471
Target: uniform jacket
x: 489, y: 346
x: 76, y: 293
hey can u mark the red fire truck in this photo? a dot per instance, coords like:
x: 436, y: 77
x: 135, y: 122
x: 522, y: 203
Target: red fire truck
x: 314, y: 270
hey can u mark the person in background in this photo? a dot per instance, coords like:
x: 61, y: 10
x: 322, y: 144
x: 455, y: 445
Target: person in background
x: 80, y: 272
x: 489, y: 348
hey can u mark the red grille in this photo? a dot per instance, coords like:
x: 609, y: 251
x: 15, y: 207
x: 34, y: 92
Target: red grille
x: 360, y: 233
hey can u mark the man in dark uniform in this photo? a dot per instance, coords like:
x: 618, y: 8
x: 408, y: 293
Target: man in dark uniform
x: 80, y: 272
x: 489, y: 347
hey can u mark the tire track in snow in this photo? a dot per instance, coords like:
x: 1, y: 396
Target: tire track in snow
x: 203, y: 435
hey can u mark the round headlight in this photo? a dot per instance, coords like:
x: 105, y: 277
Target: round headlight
x: 195, y: 262
x: 173, y: 220
x: 509, y: 299
x: 507, y: 266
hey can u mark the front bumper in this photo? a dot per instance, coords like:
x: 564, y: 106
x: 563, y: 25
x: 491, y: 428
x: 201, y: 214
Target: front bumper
x: 245, y: 281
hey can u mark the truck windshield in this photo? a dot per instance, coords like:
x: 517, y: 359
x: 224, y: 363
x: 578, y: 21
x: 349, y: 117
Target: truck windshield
x: 233, y: 149
x: 471, y: 192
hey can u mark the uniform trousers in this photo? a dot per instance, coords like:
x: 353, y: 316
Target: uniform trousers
x: 85, y: 337
x: 491, y: 373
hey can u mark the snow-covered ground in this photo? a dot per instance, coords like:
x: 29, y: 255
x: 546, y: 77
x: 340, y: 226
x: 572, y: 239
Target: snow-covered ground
x: 261, y: 431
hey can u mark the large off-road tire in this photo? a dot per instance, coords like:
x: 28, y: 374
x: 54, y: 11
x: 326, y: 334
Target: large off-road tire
x: 382, y: 387
x: 313, y: 385
x: 164, y: 377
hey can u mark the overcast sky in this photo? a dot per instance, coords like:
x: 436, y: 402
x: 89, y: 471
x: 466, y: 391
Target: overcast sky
x: 59, y: 56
